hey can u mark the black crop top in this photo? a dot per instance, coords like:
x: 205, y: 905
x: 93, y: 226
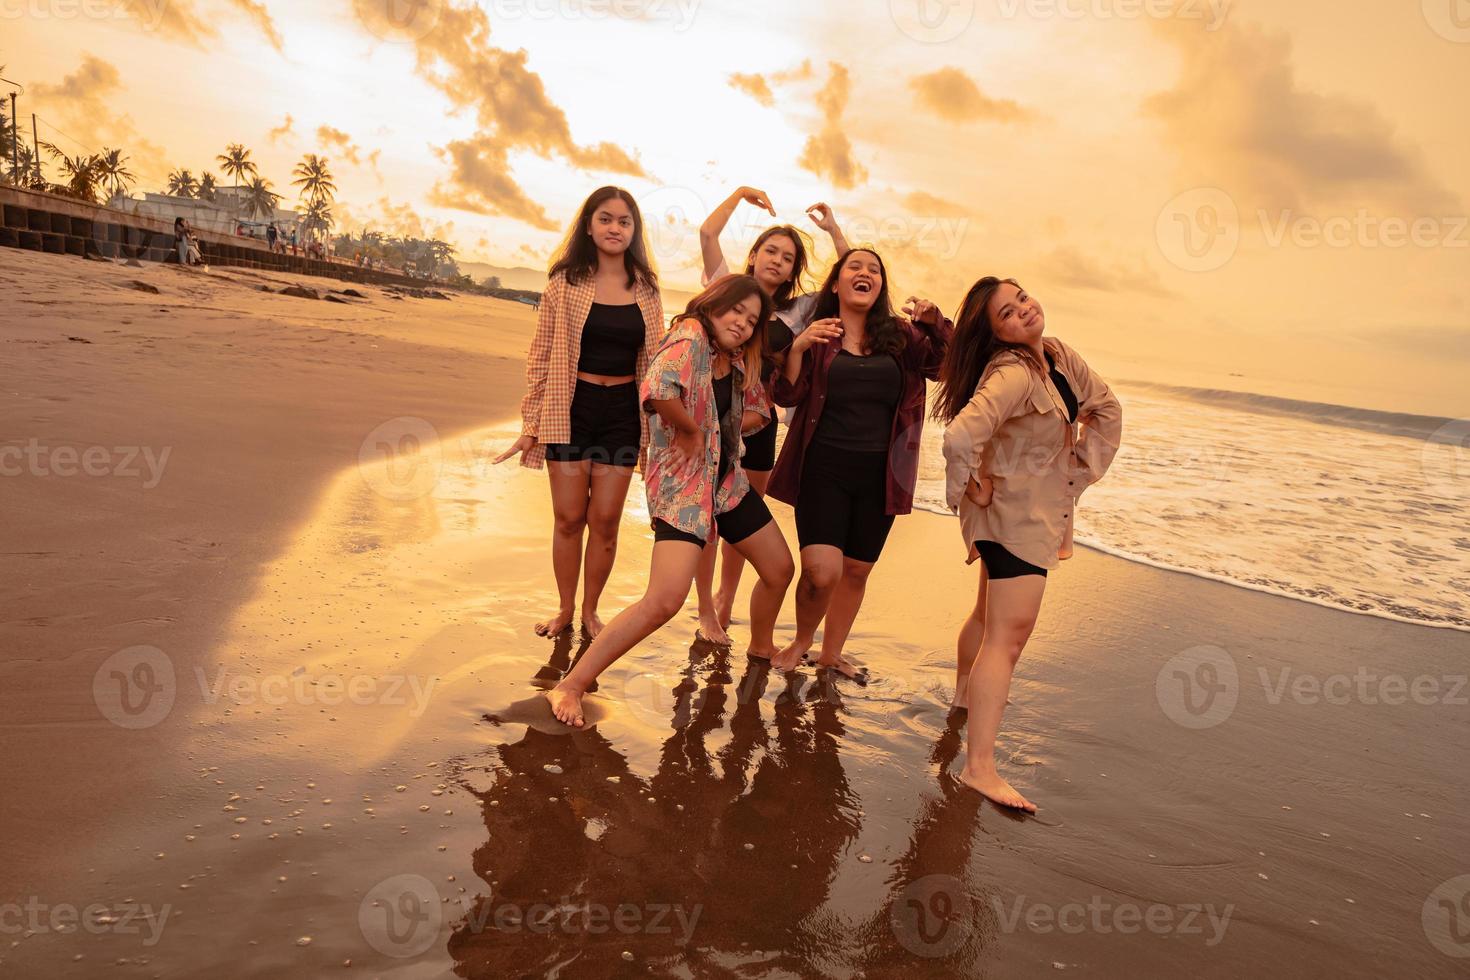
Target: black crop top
x: 862, y: 398
x: 1069, y: 398
x: 611, y: 340
x: 724, y: 397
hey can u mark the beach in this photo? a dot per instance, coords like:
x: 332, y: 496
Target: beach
x: 271, y: 705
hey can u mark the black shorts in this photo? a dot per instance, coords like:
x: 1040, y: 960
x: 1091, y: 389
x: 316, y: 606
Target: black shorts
x: 748, y: 517
x: 760, y: 450
x: 606, y: 426
x: 1000, y: 563
x: 842, y: 501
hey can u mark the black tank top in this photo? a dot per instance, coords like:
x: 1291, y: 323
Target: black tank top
x: 724, y: 396
x: 611, y: 340
x: 862, y: 398
x: 1069, y: 398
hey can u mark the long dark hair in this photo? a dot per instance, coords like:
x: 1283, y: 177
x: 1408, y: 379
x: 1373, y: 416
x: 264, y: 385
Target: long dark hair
x: 577, y: 256
x: 884, y: 335
x: 787, y: 292
x: 971, y: 350
x: 719, y: 298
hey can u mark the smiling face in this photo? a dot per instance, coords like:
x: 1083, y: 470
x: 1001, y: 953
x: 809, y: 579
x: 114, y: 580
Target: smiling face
x: 774, y: 262
x: 737, y: 324
x: 1015, y: 315
x: 859, y: 281
x: 612, y: 226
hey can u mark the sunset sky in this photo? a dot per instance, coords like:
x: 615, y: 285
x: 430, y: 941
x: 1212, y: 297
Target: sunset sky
x: 1261, y: 195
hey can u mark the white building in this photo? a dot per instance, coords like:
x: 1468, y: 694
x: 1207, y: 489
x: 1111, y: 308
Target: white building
x: 222, y: 215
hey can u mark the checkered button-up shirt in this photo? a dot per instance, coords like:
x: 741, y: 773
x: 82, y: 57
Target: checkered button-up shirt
x: 551, y: 366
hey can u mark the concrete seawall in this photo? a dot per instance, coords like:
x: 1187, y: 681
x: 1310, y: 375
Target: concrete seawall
x: 45, y: 222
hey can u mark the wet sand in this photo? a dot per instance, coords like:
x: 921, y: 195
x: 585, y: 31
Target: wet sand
x: 356, y: 753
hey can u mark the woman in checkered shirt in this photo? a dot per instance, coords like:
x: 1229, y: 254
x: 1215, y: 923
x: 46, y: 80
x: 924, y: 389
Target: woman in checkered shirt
x: 599, y: 322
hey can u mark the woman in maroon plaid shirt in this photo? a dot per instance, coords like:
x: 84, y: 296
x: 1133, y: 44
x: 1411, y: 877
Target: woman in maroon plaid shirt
x: 599, y: 322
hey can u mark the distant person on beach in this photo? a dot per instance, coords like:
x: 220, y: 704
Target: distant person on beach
x: 293, y: 242
x: 856, y: 379
x: 778, y: 261
x: 270, y: 236
x: 600, y: 322
x: 696, y: 393
x: 1013, y: 399
x: 188, y: 248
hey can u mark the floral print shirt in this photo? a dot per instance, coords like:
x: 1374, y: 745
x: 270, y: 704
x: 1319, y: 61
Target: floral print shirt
x: 687, y: 497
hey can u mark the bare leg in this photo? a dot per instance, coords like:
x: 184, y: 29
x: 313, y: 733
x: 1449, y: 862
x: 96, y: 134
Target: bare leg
x: 821, y: 568
x: 847, y: 599
x: 771, y: 558
x: 670, y: 574
x: 1010, y: 614
x: 710, y: 626
x: 732, y: 562
x: 967, y: 648
x: 604, y: 514
x: 570, y: 484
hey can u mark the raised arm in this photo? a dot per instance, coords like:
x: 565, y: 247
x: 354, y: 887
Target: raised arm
x: 794, y: 382
x: 999, y: 397
x: 714, y: 225
x: 821, y: 214
x: 929, y: 337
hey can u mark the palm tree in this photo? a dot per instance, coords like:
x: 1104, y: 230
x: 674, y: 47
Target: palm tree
x: 259, y: 198
x: 318, y: 216
x: 79, y: 172
x: 112, y: 167
x: 23, y: 168
x: 181, y: 183
x: 207, y: 187
x: 236, y: 162
x: 314, y: 179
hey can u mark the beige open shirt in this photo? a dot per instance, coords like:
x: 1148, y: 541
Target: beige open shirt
x: 1015, y: 431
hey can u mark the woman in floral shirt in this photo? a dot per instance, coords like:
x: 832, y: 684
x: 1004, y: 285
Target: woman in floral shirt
x: 696, y: 392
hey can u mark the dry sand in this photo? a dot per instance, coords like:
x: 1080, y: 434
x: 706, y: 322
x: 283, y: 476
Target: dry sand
x: 345, y: 744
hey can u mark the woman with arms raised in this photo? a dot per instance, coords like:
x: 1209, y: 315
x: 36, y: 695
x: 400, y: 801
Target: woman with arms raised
x: 696, y: 389
x: 598, y: 324
x: 1012, y: 399
x: 778, y: 261
x: 856, y: 379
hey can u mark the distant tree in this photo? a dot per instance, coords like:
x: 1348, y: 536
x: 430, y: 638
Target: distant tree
x: 236, y: 162
x: 80, y: 173
x: 112, y: 168
x: 260, y: 200
x: 207, y: 187
x: 181, y: 183
x: 315, y: 179
x: 490, y: 282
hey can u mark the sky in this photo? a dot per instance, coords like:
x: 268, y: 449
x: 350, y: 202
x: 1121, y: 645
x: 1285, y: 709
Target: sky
x: 1266, y: 196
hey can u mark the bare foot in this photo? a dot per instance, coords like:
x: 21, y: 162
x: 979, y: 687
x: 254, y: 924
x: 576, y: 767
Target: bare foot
x: 556, y: 624
x: 566, y: 704
x: 961, y: 693
x: 724, y: 608
x: 711, y: 631
x: 768, y: 655
x: 997, y: 790
x: 844, y: 667
x: 790, y: 658
x: 591, y: 624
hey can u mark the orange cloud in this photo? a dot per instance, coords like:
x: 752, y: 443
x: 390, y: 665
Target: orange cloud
x: 178, y: 19
x: 828, y: 152
x: 286, y: 128
x: 85, y: 102
x: 333, y: 137
x: 480, y: 181
x: 754, y: 86
x: 954, y: 97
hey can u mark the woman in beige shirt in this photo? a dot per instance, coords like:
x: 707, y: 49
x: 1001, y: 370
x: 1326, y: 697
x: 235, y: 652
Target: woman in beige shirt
x: 1012, y: 400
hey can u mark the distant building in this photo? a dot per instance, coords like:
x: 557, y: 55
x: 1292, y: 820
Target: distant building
x: 222, y: 215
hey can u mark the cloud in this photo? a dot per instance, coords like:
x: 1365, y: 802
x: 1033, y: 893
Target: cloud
x: 179, y: 19
x: 954, y: 97
x: 286, y: 128
x: 256, y: 11
x: 922, y: 202
x: 85, y: 103
x: 332, y: 137
x: 1240, y: 119
x: 828, y: 152
x: 480, y: 182
x: 754, y: 86
x: 1069, y: 266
